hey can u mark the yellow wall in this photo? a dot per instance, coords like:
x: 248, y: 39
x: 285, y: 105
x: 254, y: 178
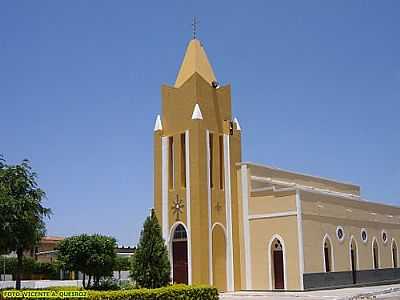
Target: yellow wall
x: 272, y: 204
x: 262, y: 231
x: 322, y: 214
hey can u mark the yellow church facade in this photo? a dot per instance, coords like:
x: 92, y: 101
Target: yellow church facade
x: 246, y: 226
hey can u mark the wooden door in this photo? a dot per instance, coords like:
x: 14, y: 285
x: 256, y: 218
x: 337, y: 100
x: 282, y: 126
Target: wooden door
x: 180, y: 261
x: 327, y: 260
x: 353, y: 266
x: 278, y: 269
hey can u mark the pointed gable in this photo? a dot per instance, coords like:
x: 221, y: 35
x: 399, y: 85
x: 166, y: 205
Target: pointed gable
x: 195, y: 61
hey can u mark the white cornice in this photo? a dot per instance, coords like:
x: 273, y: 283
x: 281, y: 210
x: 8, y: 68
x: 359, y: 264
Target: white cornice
x: 304, y: 187
x: 273, y: 215
x: 295, y: 173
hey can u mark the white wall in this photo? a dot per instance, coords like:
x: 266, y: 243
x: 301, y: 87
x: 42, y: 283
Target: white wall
x: 37, y: 284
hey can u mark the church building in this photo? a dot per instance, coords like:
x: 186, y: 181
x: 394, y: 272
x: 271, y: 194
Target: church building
x: 246, y: 226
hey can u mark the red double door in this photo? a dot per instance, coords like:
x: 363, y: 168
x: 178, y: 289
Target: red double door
x: 180, y: 261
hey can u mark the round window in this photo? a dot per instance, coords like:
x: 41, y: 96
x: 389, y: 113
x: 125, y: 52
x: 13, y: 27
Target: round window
x: 364, y: 235
x: 384, y: 236
x: 340, y: 233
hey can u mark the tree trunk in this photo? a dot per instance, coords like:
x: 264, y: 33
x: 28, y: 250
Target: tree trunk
x: 20, y: 254
x: 96, y: 281
x: 83, y: 280
x: 89, y: 281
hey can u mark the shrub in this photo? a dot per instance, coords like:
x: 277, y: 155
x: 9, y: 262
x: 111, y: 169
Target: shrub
x: 183, y: 292
x: 46, y: 270
x: 31, y: 269
x: 107, y: 284
x: 165, y: 293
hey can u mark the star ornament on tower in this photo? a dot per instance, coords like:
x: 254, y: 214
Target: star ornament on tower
x: 177, y: 207
x: 218, y: 206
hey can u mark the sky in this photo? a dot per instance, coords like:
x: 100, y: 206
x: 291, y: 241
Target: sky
x: 315, y: 86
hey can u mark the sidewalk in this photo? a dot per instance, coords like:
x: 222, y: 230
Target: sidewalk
x: 374, y: 292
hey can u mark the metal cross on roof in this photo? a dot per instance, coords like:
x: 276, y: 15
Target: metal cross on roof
x: 194, y: 26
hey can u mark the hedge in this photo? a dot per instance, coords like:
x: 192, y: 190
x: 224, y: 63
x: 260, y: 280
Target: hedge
x: 165, y: 293
x: 31, y: 269
x: 180, y: 291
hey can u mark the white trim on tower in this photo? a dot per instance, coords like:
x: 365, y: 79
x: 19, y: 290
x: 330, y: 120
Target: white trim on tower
x: 300, y: 239
x: 164, y: 187
x: 228, y: 199
x: 246, y: 227
x: 188, y: 207
x: 210, y: 265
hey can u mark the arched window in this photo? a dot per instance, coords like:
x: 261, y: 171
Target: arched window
x: 180, y: 233
x: 375, y: 253
x: 328, y: 255
x: 394, y: 254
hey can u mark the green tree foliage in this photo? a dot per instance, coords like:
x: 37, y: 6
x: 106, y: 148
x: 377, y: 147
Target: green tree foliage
x: 93, y: 255
x: 31, y: 268
x: 121, y: 264
x: 46, y: 270
x: 21, y: 211
x: 11, y: 263
x: 150, y: 263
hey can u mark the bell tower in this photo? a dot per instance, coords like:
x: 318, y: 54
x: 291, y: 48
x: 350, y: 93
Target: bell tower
x: 197, y: 144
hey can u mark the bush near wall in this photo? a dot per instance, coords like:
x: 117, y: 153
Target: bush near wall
x: 165, y: 293
x: 180, y: 291
x: 10, y: 264
x: 31, y: 269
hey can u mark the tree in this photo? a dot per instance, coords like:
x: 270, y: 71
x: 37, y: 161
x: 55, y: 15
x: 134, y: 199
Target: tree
x: 31, y: 268
x: 121, y: 264
x: 93, y: 255
x: 21, y: 211
x: 150, y: 264
x: 28, y: 265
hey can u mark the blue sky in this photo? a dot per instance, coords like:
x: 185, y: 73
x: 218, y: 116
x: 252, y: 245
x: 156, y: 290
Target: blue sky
x: 316, y: 87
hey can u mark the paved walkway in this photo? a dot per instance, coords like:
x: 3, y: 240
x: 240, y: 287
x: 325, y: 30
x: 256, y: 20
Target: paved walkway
x: 389, y: 292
